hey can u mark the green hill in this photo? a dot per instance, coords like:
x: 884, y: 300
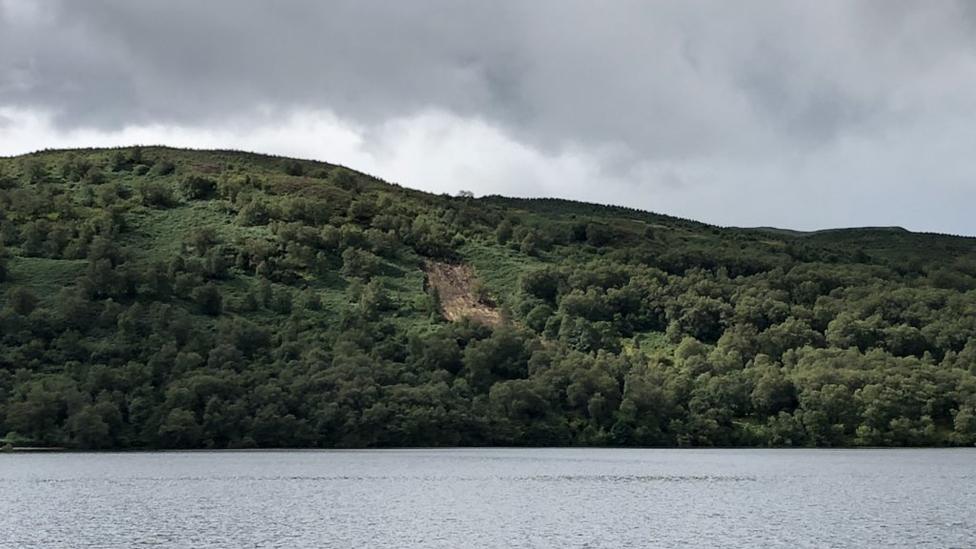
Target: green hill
x: 161, y: 298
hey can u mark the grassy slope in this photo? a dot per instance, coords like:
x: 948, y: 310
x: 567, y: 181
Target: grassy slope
x: 157, y: 234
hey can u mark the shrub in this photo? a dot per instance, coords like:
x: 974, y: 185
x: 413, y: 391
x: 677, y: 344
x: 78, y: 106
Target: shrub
x: 359, y: 263
x: 344, y: 179
x: 34, y: 171
x: 208, y: 299
x: 164, y: 167
x: 255, y: 212
x: 598, y: 234
x: 294, y: 167
x: 93, y: 176
x: 503, y: 233
x: 195, y: 187
x: 21, y: 300
x: 156, y: 195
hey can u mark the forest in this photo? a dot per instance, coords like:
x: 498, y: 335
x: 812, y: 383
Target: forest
x: 153, y: 297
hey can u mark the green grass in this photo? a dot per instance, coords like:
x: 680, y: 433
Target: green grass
x: 45, y: 277
x: 160, y: 233
x: 498, y: 267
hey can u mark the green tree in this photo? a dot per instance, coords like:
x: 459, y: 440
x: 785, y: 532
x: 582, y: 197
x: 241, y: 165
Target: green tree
x: 208, y: 299
x: 358, y: 263
x: 88, y: 429
x: 21, y: 300
x: 503, y: 233
x: 195, y: 187
x: 180, y: 430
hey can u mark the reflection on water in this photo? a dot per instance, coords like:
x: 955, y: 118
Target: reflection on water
x: 491, y: 498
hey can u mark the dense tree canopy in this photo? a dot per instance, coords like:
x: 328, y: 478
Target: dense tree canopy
x: 159, y: 298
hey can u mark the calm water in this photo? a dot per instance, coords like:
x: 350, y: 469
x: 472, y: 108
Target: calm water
x: 491, y: 498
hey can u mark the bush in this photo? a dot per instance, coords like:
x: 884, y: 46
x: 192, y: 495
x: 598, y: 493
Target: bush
x: 198, y: 188
x: 598, y: 234
x: 74, y: 169
x: 532, y: 244
x: 93, y: 176
x: 374, y: 300
x: 21, y: 300
x: 294, y: 167
x: 156, y: 195
x: 344, y: 179
x: 34, y: 171
x: 542, y: 284
x: 255, y: 212
x: 7, y: 181
x: 359, y: 263
x: 165, y: 167
x: 503, y: 233
x: 208, y: 299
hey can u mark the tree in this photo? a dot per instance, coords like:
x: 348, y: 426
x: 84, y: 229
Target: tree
x: 698, y: 316
x: 531, y: 244
x: 156, y: 195
x: 542, y: 284
x: 362, y: 210
x: 598, y: 234
x: 163, y: 167
x: 503, y: 233
x: 208, y: 299
x: 828, y: 414
x: 374, y: 299
x: 179, y: 430
x: 344, y: 179
x: 846, y: 331
x: 196, y: 187
x: 964, y: 424
x: 501, y: 356
x: 89, y: 429
x: 294, y: 168
x: 538, y: 316
x: 430, y: 237
x: 359, y: 263
x: 437, y: 351
x: 34, y: 170
x: 772, y: 392
x: 21, y: 300
x: 255, y: 212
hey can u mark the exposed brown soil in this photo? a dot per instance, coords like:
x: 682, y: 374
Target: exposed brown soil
x: 456, y: 286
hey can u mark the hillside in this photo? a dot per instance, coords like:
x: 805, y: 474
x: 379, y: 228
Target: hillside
x: 161, y: 298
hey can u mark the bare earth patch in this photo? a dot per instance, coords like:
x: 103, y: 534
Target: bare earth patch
x: 456, y: 286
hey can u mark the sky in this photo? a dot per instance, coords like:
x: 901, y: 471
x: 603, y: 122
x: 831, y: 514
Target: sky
x: 803, y: 115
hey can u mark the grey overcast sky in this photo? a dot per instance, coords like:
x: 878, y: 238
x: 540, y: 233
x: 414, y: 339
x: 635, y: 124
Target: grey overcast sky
x: 796, y: 114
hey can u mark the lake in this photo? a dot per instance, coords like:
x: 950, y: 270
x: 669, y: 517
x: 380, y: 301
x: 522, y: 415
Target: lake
x: 490, y: 498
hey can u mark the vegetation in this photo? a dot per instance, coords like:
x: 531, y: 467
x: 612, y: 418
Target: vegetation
x: 162, y: 298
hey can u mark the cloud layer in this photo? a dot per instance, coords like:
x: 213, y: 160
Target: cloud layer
x: 803, y: 115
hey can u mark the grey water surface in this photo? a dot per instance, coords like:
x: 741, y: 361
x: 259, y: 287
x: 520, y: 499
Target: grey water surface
x: 490, y: 498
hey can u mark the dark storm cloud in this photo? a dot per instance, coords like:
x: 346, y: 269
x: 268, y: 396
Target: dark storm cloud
x: 114, y: 62
x: 658, y: 78
x: 645, y: 86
